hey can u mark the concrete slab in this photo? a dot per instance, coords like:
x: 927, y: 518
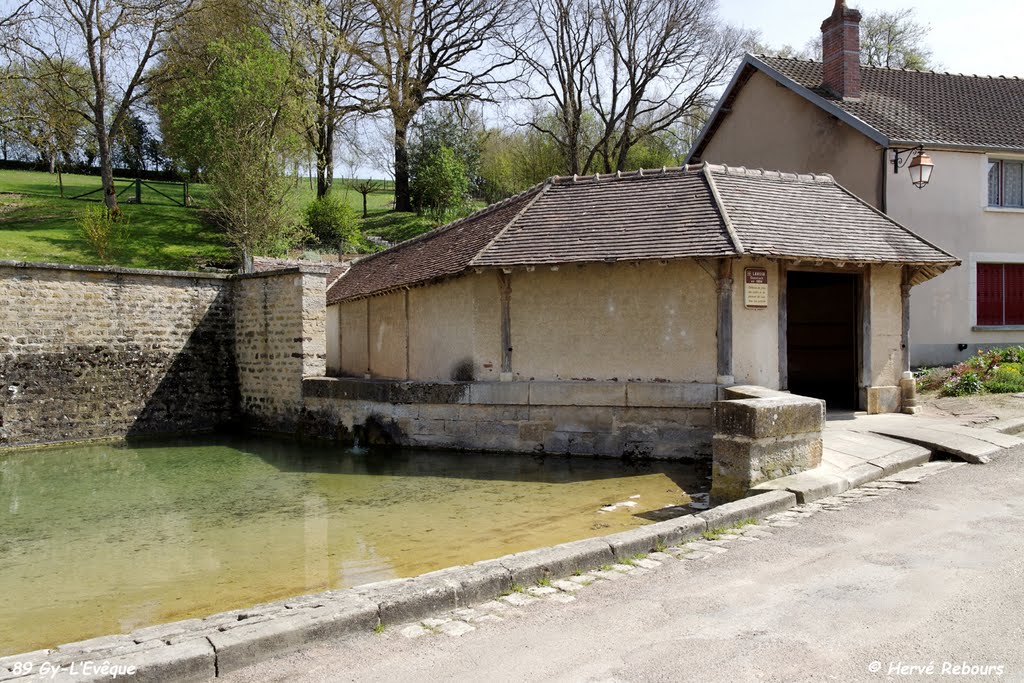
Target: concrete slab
x: 970, y: 448
x: 902, y: 459
x: 1011, y: 425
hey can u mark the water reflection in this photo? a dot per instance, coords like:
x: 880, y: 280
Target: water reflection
x: 102, y: 539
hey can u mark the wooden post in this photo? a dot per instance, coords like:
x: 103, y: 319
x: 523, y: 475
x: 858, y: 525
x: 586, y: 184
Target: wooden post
x: 724, y: 283
x: 783, y: 327
x: 908, y: 275
x: 407, y: 335
x: 368, y: 374
x: 138, y: 190
x: 866, y: 377
x: 505, y: 288
x: 184, y: 195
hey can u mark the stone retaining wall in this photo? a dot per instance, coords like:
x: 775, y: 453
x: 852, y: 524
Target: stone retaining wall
x: 660, y: 420
x: 90, y: 352
x: 97, y: 352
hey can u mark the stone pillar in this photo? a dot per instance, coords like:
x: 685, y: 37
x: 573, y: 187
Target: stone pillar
x: 724, y: 285
x: 505, y: 287
x: 908, y: 384
x: 765, y: 437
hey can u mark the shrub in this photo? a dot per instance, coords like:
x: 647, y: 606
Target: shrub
x: 106, y: 231
x: 931, y: 379
x: 332, y: 222
x: 963, y: 385
x: 1006, y: 379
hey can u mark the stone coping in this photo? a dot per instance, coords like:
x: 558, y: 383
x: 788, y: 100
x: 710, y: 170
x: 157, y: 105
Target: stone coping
x: 525, y: 393
x: 117, y: 270
x: 199, y: 649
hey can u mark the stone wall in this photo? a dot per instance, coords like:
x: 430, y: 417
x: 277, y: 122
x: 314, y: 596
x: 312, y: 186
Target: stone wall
x: 659, y: 420
x: 91, y: 353
x: 280, y: 330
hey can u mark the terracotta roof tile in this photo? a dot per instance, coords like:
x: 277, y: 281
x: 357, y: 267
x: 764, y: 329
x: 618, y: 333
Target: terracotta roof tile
x: 693, y: 212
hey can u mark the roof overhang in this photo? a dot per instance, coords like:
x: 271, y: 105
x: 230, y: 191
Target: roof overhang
x: 751, y: 63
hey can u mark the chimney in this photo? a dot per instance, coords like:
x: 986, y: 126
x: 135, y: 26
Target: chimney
x: 840, y: 52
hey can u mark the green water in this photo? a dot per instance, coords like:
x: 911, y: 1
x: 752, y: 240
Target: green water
x: 104, y: 539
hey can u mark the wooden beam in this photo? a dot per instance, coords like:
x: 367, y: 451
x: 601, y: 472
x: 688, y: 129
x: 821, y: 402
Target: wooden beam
x: 505, y: 288
x: 724, y: 283
x: 908, y: 278
x: 407, y: 336
x: 783, y: 327
x: 866, y: 378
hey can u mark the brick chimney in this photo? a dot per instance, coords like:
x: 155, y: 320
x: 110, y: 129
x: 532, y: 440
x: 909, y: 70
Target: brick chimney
x: 840, y: 52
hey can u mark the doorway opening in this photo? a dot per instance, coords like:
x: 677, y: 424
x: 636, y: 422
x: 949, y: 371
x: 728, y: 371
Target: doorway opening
x: 822, y: 337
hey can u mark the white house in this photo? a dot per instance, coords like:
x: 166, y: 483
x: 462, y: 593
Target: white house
x: 865, y: 126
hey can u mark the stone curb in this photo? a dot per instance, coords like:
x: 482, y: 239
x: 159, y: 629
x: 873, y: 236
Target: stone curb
x: 200, y: 649
x: 813, y: 485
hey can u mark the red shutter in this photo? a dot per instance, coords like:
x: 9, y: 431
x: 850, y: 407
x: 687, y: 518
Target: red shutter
x: 1013, y: 293
x: 990, y: 294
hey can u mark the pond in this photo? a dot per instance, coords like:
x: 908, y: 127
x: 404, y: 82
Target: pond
x: 102, y: 539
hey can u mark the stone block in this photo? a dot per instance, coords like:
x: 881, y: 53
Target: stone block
x: 807, y: 486
x: 246, y: 645
x: 883, y: 400
x: 740, y: 463
x: 556, y: 562
x: 577, y: 394
x: 499, y: 393
x: 861, y: 474
x: 639, y: 541
x: 670, y: 394
x: 758, y: 506
x: 478, y: 582
x: 189, y: 660
x: 744, y: 391
x: 764, y: 418
x: 405, y: 600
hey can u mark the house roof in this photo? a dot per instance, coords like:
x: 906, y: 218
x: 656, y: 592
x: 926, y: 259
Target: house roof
x: 700, y: 211
x: 900, y: 106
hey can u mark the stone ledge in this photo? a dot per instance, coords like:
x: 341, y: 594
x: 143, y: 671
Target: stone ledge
x: 754, y: 507
x: 115, y: 270
x: 535, y: 393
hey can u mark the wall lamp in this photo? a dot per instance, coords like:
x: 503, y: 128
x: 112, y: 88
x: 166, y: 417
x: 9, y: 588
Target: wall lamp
x: 920, y: 167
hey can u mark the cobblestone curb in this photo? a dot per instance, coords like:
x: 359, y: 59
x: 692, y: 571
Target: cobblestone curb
x: 464, y: 597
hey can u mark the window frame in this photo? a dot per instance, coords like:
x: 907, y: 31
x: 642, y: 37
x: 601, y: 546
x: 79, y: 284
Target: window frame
x: 1007, y: 284
x: 1001, y: 203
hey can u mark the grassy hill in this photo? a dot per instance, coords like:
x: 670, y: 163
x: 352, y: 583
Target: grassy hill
x: 36, y: 224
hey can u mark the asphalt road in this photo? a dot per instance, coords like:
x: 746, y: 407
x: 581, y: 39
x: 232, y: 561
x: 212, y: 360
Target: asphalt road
x: 933, y: 575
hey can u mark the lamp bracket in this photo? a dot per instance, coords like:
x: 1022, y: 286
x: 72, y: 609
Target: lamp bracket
x: 900, y: 157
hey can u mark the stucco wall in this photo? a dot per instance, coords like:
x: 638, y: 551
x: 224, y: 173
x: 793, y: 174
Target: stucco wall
x: 886, y: 326
x: 646, y: 321
x: 455, y: 326
x: 353, y: 347
x: 388, y: 336
x: 333, y: 342
x: 952, y: 213
x: 755, y: 331
x: 774, y: 128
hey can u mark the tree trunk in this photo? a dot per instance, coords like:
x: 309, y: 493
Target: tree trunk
x: 403, y: 199
x: 106, y: 168
x: 365, y: 213
x: 325, y: 164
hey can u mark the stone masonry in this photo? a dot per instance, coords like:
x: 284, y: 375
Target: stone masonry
x: 280, y: 327
x: 617, y: 419
x: 89, y: 352
x: 762, y: 435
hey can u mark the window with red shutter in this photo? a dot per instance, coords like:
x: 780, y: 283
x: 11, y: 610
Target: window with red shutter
x: 990, y: 294
x: 1013, y: 293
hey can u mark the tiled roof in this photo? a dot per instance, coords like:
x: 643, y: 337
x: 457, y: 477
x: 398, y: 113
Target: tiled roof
x: 693, y: 212
x: 924, y: 106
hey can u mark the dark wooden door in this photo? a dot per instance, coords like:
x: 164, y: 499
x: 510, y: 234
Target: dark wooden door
x: 821, y: 337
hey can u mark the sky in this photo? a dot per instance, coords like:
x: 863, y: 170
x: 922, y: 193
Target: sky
x: 968, y: 36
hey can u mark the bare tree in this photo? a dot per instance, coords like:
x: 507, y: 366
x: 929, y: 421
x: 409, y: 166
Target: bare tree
x: 365, y: 188
x: 116, y: 40
x: 661, y: 61
x: 560, y: 53
x: 895, y: 40
x: 426, y: 51
x: 322, y: 37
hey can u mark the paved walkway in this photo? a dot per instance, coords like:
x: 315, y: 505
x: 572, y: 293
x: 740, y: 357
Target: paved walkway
x: 860, y: 448
x: 851, y: 588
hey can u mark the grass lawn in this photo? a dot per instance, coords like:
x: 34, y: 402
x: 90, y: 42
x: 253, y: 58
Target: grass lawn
x: 36, y: 224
